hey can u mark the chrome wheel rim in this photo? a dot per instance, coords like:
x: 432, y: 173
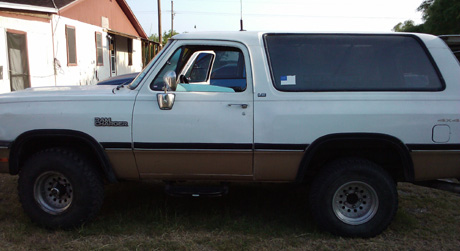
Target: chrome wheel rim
x: 355, y: 203
x: 53, y: 192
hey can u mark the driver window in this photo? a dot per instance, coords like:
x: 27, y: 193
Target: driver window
x: 171, y: 65
x: 200, y: 69
x: 205, y: 69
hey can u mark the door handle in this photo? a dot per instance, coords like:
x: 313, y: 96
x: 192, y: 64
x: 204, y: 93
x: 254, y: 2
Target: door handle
x: 244, y: 106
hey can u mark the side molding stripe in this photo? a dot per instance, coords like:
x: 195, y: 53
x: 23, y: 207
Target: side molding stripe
x: 433, y: 147
x: 205, y: 146
x: 257, y: 146
x: 261, y: 146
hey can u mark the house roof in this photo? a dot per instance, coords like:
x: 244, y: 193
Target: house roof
x: 48, y: 6
x: 41, y: 3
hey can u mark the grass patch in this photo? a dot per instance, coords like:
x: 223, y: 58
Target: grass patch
x: 140, y: 216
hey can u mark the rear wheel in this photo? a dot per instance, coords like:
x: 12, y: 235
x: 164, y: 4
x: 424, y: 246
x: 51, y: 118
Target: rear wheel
x: 353, y: 198
x: 60, y: 189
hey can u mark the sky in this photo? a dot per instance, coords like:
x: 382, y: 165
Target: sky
x: 276, y: 15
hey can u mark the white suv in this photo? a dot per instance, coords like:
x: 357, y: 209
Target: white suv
x: 350, y: 115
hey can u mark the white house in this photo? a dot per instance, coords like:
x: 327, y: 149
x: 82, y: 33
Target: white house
x: 68, y: 42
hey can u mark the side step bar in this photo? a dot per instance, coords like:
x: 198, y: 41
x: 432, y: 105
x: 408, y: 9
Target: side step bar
x: 441, y: 185
x: 196, y: 191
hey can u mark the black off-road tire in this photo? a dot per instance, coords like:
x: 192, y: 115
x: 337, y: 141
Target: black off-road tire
x: 58, y: 188
x: 353, y: 198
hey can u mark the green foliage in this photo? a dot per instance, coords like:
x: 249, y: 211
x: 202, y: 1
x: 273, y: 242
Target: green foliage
x: 440, y: 16
x: 407, y: 26
x: 165, y: 38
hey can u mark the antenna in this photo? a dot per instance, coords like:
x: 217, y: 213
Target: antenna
x: 241, y: 20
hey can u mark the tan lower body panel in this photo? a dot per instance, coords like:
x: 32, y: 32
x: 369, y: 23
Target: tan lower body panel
x: 4, y: 164
x: 430, y: 165
x: 194, y: 164
x: 276, y: 165
x: 123, y: 164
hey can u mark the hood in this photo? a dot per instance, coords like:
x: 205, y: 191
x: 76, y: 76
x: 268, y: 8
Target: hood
x: 62, y: 93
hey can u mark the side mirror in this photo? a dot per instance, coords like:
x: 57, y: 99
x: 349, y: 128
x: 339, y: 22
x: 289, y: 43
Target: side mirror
x: 166, y: 100
x: 170, y: 80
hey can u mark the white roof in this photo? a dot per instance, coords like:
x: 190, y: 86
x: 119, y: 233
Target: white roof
x: 254, y: 37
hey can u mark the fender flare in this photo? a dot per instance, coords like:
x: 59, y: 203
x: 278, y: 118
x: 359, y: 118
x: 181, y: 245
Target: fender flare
x: 395, y: 143
x: 96, y: 147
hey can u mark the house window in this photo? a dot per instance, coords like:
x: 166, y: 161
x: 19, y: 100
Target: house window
x: 71, y: 45
x: 130, y: 51
x: 99, y: 57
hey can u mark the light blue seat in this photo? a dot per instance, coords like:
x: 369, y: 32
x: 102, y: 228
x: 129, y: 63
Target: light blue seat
x: 202, y: 88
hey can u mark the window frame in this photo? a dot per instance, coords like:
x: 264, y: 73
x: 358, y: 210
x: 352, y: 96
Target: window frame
x: 416, y: 38
x: 97, y: 49
x: 185, y: 49
x: 67, y: 27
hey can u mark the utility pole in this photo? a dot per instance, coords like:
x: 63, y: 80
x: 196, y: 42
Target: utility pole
x: 160, y: 38
x: 172, y: 17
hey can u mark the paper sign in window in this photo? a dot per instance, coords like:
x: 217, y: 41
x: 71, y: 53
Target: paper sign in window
x: 288, y: 80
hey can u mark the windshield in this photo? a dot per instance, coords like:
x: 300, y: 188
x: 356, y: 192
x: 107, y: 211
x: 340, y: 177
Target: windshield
x: 141, y: 75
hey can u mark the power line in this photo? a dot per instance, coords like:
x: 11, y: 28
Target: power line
x: 268, y: 15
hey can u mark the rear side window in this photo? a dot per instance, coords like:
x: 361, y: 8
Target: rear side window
x: 350, y: 63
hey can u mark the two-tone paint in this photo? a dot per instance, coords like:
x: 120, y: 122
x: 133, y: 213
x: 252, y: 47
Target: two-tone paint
x: 260, y: 134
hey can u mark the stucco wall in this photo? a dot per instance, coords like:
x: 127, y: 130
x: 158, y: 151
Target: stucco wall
x: 122, y: 56
x: 4, y: 82
x: 87, y: 72
x: 41, y: 57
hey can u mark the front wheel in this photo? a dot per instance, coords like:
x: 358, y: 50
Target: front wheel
x: 353, y: 198
x: 59, y: 188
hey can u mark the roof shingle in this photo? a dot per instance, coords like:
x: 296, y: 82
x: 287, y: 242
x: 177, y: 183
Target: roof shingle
x: 41, y: 3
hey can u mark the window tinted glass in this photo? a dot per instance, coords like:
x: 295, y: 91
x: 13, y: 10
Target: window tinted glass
x: 350, y: 63
x: 200, y: 69
x: 171, y: 65
x: 229, y: 70
x: 205, y: 69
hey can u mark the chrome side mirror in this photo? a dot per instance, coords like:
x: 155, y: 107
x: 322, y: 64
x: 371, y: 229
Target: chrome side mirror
x: 170, y: 80
x: 166, y: 100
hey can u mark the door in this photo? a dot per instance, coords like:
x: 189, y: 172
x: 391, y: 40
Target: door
x: 208, y: 133
x: 18, y: 60
x: 113, y: 56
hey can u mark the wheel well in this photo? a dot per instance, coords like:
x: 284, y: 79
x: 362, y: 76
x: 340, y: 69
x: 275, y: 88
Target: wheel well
x: 388, y: 152
x: 32, y: 142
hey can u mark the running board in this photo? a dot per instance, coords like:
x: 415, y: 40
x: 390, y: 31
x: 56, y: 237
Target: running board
x: 196, y: 191
x: 441, y: 185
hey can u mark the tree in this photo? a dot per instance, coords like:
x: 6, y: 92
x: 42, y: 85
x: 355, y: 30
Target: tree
x: 166, y: 36
x: 439, y: 16
x: 407, y: 26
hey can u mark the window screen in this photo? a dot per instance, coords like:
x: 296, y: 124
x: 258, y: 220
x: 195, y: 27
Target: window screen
x: 350, y: 63
x: 229, y: 70
x: 99, y: 55
x: 71, y: 45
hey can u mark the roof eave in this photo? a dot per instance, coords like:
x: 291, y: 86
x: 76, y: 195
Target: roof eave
x: 16, y: 6
x: 132, y: 18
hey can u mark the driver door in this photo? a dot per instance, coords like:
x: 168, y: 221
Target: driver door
x: 208, y: 133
